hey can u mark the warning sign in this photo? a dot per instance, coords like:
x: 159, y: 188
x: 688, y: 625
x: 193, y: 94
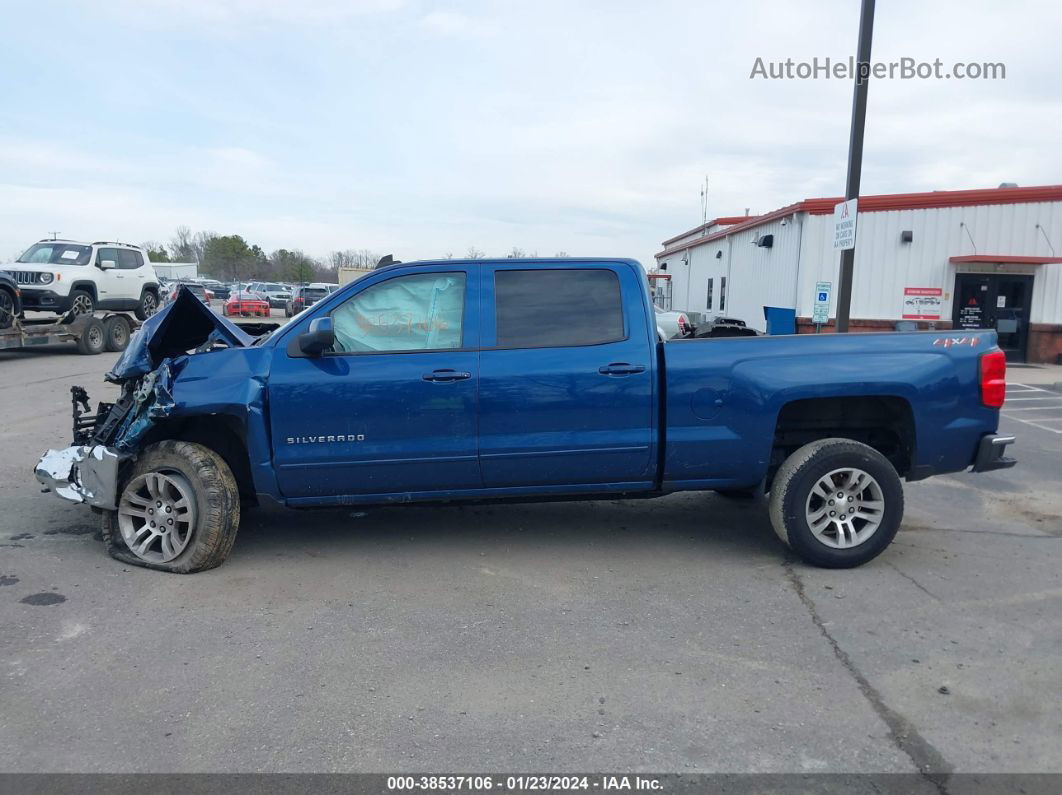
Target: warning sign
x: 922, y: 303
x: 844, y: 224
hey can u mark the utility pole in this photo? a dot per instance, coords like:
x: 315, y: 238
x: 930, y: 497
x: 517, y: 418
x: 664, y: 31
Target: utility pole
x: 855, y: 154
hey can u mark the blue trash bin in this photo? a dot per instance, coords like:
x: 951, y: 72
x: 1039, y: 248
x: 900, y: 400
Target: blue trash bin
x: 780, y: 320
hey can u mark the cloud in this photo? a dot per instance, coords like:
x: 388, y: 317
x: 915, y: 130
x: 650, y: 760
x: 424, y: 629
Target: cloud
x: 456, y: 25
x: 257, y: 13
x: 419, y: 127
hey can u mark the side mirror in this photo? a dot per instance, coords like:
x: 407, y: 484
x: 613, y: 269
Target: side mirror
x: 319, y: 338
x: 107, y: 264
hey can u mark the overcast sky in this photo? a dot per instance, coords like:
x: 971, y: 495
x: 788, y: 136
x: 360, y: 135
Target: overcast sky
x: 422, y: 128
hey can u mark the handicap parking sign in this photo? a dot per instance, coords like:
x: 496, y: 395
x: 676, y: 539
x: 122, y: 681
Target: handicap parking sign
x: 824, y: 296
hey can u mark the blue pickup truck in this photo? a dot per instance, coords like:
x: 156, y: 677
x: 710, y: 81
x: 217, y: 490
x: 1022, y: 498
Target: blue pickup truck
x: 515, y: 380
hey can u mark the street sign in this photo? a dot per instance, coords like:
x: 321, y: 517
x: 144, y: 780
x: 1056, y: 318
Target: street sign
x: 820, y: 315
x: 844, y: 224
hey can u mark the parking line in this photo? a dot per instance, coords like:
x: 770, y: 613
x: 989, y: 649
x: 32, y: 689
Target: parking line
x: 1036, y: 408
x: 1034, y: 424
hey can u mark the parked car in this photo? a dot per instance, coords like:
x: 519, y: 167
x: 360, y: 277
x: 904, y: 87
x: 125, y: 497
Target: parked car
x: 63, y: 276
x: 218, y: 289
x: 198, y: 290
x: 246, y: 304
x: 720, y: 326
x: 467, y: 380
x: 303, y: 297
x: 10, y: 300
x: 671, y: 324
x: 277, y: 294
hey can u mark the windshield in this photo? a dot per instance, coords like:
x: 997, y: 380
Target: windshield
x: 57, y: 254
x: 313, y: 292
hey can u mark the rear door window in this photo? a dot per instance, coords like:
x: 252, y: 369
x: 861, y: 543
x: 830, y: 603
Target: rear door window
x: 127, y: 260
x: 557, y: 308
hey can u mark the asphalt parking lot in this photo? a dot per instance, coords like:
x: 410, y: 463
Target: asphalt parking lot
x: 663, y: 635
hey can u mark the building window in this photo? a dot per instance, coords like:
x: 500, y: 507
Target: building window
x: 722, y: 293
x: 711, y: 284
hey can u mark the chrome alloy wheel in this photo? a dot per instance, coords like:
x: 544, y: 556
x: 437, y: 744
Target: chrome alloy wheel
x: 82, y: 305
x: 157, y: 516
x: 150, y: 304
x: 845, y: 508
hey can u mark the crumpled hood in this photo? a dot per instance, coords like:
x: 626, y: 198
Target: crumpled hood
x: 184, y: 324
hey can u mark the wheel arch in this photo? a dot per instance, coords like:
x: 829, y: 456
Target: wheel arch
x: 225, y: 434
x: 86, y: 285
x: 883, y: 422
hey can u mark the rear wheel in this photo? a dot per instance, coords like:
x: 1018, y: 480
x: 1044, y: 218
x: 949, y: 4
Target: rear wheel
x: 116, y: 332
x: 7, y: 309
x: 837, y: 503
x: 149, y: 305
x: 178, y: 511
x: 93, y: 338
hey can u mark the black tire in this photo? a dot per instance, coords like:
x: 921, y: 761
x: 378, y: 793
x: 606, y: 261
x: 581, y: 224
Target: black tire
x: 7, y: 309
x: 792, y: 490
x: 217, y: 506
x: 93, y: 338
x: 149, y: 305
x: 116, y: 331
x: 81, y: 303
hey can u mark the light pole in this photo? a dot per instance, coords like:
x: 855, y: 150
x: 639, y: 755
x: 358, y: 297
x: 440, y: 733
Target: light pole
x: 855, y: 155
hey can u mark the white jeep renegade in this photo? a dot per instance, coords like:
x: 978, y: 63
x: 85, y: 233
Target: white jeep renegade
x: 63, y: 276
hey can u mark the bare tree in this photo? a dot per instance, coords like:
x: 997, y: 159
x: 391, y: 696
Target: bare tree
x: 561, y: 254
x: 516, y: 253
x: 181, y: 246
x: 474, y: 253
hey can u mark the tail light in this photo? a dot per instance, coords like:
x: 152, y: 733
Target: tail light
x: 683, y: 324
x: 993, y: 367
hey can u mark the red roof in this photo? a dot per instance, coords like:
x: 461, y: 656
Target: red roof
x: 723, y: 220
x: 888, y: 201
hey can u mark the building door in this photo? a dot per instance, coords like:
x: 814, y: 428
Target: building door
x: 995, y: 301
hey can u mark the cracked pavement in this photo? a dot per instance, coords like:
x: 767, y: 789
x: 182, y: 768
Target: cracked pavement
x: 658, y: 635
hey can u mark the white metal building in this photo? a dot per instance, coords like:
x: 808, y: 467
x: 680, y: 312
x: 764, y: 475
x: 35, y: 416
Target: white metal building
x: 176, y: 270
x: 945, y: 259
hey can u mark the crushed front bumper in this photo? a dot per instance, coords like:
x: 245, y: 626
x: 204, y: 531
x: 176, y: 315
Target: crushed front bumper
x: 990, y: 453
x: 83, y: 473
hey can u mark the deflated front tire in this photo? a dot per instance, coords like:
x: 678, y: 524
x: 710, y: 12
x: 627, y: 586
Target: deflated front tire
x: 178, y: 510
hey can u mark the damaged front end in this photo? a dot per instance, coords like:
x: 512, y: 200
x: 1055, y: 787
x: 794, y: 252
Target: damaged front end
x: 87, y: 471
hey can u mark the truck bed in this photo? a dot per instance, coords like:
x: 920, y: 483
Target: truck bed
x: 725, y: 399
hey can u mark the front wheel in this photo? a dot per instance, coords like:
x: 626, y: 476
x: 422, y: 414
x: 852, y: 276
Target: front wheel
x: 837, y: 503
x: 81, y: 303
x: 178, y: 510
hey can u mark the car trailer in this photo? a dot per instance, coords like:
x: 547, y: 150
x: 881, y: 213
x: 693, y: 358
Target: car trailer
x: 92, y: 333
